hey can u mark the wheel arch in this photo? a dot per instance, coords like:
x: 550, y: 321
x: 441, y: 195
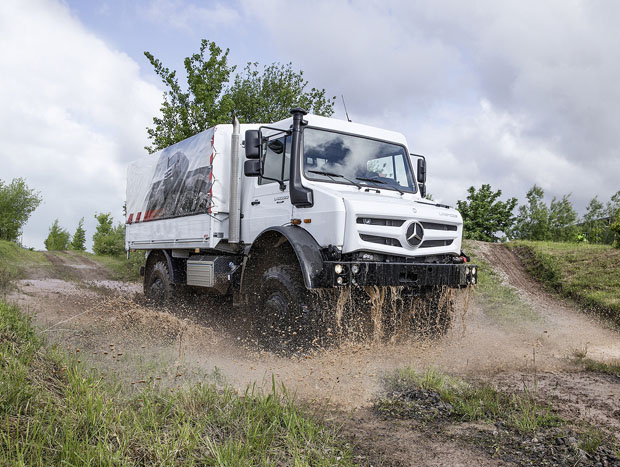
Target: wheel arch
x: 301, y: 246
x: 176, y: 266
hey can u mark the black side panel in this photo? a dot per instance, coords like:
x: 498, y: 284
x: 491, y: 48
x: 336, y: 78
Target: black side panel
x: 303, y: 244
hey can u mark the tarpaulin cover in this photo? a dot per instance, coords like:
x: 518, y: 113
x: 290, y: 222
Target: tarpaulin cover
x: 173, y: 182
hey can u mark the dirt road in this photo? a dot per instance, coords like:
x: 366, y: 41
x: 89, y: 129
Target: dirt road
x: 110, y: 327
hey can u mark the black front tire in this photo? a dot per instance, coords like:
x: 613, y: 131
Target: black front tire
x: 285, y: 316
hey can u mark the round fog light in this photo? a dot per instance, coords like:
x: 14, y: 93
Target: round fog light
x: 339, y: 280
x: 338, y: 268
x: 355, y: 269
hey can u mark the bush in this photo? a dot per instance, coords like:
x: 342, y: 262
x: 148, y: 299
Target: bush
x: 58, y: 238
x: 108, y: 240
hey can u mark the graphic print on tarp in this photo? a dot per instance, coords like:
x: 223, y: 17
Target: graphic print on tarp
x: 176, y: 190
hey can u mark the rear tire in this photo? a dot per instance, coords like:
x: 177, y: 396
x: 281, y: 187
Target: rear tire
x: 158, y: 285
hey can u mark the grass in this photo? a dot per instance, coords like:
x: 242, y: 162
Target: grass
x: 499, y: 301
x: 15, y: 260
x: 588, y: 274
x: 53, y: 411
x: 464, y: 401
x: 123, y: 269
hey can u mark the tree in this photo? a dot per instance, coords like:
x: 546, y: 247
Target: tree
x: 532, y: 222
x: 108, y: 240
x: 484, y: 217
x: 58, y: 238
x: 592, y: 224
x: 17, y: 203
x: 562, y: 220
x: 79, y: 237
x: 210, y: 99
x: 269, y: 97
x: 615, y: 228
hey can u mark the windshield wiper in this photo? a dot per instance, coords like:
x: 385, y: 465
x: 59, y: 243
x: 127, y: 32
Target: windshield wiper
x: 374, y: 180
x: 332, y: 175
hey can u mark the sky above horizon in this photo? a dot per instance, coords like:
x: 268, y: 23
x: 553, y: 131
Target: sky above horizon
x: 510, y: 93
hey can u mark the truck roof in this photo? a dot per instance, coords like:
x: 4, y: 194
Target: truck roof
x: 335, y: 124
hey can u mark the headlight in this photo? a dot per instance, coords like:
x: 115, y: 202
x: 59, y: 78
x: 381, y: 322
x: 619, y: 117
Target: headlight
x: 355, y: 269
x: 473, y: 270
x: 338, y: 268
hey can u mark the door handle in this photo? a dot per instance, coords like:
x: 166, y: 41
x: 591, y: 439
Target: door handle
x: 255, y: 202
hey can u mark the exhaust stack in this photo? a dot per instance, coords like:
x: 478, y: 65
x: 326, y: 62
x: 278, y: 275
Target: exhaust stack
x: 234, y: 201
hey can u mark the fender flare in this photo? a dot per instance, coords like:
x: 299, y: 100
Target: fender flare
x: 306, y: 248
x: 177, y: 273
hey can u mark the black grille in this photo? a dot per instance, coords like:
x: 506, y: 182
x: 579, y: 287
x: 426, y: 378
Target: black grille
x: 435, y: 226
x: 380, y: 240
x: 377, y: 221
x: 434, y: 243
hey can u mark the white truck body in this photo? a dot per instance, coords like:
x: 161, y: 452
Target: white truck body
x: 199, y: 220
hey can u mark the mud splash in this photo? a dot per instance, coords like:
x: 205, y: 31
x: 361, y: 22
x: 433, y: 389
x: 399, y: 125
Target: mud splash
x: 386, y: 314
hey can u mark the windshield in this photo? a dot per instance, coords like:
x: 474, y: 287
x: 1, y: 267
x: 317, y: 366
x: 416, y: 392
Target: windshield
x: 340, y: 158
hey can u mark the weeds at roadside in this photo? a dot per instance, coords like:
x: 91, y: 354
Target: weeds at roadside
x: 609, y: 368
x: 53, y: 411
x: 520, y: 428
x: 6, y: 278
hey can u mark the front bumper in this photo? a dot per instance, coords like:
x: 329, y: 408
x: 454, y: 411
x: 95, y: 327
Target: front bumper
x: 399, y: 274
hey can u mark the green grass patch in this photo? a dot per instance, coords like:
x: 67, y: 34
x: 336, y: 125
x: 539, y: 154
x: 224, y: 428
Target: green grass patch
x: 122, y: 269
x: 500, y: 302
x: 588, y: 274
x: 411, y: 392
x: 16, y: 259
x: 55, y: 412
x: 14, y: 263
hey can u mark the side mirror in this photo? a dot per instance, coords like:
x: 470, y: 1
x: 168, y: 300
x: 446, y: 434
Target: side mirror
x: 252, y: 144
x: 251, y: 168
x: 421, y: 171
x: 422, y: 187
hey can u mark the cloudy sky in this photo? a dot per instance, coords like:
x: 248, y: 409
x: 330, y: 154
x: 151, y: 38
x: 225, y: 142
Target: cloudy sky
x: 506, y: 93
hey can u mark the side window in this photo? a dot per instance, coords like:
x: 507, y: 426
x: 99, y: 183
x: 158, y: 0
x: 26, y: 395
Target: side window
x: 401, y: 172
x: 276, y: 160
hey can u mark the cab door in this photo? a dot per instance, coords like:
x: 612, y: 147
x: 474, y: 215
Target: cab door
x: 269, y: 205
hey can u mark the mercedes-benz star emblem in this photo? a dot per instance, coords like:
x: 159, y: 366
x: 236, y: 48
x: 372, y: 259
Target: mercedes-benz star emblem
x: 415, y: 234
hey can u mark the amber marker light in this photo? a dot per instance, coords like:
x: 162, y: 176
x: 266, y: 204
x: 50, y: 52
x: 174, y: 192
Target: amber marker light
x: 295, y: 221
x: 307, y: 221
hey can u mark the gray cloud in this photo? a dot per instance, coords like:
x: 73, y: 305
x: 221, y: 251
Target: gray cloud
x: 73, y: 114
x: 513, y: 93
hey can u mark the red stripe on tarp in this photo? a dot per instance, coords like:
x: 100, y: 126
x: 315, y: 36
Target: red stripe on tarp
x: 130, y: 220
x: 151, y: 214
x: 138, y: 217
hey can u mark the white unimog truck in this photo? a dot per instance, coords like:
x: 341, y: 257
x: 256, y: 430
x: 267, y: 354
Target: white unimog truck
x: 268, y: 213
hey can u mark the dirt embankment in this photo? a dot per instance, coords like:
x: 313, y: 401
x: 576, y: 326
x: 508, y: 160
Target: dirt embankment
x: 110, y: 327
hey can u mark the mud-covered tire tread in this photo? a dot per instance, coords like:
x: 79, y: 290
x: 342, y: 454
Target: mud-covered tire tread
x: 290, y: 331
x: 158, y: 270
